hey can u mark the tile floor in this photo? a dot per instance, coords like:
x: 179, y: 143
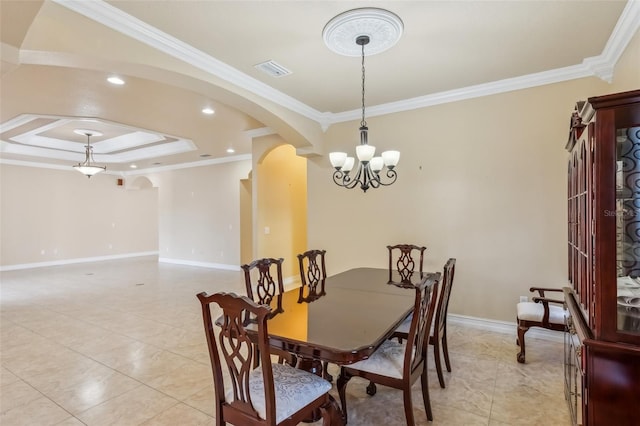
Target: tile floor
x: 121, y: 343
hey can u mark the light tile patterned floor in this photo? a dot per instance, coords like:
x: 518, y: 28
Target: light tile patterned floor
x: 121, y: 343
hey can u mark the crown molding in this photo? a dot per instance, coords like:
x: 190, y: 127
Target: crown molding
x: 601, y: 66
x: 21, y: 163
x: 136, y: 172
x: 469, y: 92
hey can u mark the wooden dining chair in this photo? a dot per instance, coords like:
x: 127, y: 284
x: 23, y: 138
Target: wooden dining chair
x: 274, y: 394
x: 313, y: 274
x: 438, y: 334
x: 258, y: 275
x: 262, y: 288
x: 403, y: 258
x: 399, y: 365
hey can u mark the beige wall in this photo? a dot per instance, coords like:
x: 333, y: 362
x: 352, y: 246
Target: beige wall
x: 482, y: 180
x: 199, y: 214
x: 58, y: 216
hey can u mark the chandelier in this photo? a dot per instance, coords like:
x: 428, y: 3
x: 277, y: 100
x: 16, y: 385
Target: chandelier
x: 382, y: 28
x: 88, y: 166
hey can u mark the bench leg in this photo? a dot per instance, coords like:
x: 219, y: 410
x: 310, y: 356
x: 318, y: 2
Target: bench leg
x: 521, y: 331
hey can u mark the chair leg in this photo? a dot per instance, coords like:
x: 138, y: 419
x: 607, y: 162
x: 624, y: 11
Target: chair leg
x: 343, y: 379
x: 408, y: 405
x: 331, y: 413
x: 445, y: 349
x: 425, y: 394
x: 219, y: 420
x: 521, y: 354
x: 436, y: 355
x: 372, y: 389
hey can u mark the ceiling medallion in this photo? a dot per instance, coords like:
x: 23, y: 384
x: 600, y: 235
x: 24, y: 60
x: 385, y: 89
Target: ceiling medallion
x: 383, y: 28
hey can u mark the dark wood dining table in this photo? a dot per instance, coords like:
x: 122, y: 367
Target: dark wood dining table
x: 348, y: 317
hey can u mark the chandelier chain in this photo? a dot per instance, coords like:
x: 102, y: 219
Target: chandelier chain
x: 363, y: 123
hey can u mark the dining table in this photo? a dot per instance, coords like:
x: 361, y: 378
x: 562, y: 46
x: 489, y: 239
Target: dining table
x: 344, y: 319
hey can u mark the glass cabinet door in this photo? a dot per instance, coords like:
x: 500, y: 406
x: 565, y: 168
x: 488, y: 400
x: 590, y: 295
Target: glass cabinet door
x: 627, y: 217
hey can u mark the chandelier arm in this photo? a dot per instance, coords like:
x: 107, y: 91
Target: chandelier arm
x: 359, y: 178
x: 391, y: 174
x: 344, y: 180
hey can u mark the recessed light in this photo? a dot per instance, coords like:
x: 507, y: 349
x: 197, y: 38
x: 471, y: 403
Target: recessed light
x: 115, y: 80
x: 208, y: 111
x: 230, y: 150
x: 133, y: 166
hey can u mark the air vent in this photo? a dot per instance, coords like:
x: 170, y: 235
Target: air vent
x: 273, y: 69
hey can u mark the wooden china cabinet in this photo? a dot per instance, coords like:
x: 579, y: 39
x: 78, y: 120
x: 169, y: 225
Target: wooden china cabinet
x: 602, y: 345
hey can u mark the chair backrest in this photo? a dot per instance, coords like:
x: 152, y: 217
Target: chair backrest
x: 443, y: 299
x: 237, y: 352
x: 401, y: 258
x: 265, y: 286
x: 418, y: 338
x: 313, y: 274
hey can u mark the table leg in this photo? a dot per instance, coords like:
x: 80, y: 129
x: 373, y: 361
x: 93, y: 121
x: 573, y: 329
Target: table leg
x: 311, y: 365
x: 315, y: 366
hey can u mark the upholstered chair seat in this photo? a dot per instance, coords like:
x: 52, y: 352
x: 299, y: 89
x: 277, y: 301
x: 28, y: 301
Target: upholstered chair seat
x: 387, y: 360
x: 404, y: 327
x: 530, y: 311
x: 294, y: 390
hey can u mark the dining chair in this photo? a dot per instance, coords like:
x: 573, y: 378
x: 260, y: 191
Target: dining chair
x: 401, y: 258
x: 258, y: 275
x: 540, y: 312
x: 274, y: 394
x: 399, y: 365
x: 262, y: 288
x: 313, y: 273
x: 438, y: 334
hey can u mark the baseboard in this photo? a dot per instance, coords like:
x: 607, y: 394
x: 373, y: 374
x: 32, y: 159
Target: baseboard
x: 77, y: 260
x: 211, y: 265
x: 504, y: 327
x: 291, y: 282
